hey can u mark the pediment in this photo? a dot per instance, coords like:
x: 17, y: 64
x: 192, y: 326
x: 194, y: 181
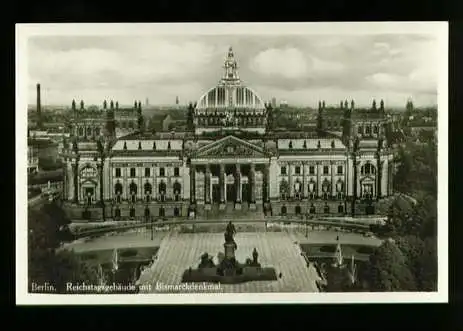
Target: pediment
x: 230, y: 147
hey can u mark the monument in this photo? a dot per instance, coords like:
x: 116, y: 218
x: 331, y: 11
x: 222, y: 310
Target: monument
x: 229, y: 270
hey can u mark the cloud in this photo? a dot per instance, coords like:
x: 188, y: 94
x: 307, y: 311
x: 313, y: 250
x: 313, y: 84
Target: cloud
x: 300, y: 69
x: 289, y: 63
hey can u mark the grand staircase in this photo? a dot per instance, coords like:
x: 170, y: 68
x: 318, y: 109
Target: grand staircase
x: 230, y: 213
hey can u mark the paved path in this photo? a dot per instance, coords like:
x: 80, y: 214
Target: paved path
x: 178, y: 252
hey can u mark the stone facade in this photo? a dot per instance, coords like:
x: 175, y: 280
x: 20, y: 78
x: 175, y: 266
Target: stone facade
x: 229, y: 158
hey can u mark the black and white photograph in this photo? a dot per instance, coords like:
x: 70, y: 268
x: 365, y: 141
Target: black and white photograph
x: 231, y: 163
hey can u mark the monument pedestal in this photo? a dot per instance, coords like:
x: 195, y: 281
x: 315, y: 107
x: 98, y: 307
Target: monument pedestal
x: 229, y: 250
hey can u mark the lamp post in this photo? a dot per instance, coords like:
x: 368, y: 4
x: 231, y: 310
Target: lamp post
x: 152, y: 229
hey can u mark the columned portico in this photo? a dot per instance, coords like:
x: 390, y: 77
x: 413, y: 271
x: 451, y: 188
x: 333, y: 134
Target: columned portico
x: 238, y: 178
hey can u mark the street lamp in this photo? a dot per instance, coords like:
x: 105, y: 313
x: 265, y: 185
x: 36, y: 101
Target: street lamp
x: 152, y: 230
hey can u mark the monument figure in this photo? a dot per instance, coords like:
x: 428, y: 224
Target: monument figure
x: 230, y: 231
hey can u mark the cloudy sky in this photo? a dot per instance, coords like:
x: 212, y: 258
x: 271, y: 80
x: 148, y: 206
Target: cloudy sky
x: 299, y: 69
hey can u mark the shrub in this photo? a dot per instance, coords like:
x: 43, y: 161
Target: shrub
x: 328, y: 249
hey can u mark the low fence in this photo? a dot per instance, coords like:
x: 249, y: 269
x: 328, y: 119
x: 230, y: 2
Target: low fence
x: 197, y: 225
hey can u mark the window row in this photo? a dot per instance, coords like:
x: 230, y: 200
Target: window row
x: 312, y: 210
x: 148, y: 172
x: 368, y: 129
x: 325, y: 170
x: 88, y: 132
x: 147, y: 212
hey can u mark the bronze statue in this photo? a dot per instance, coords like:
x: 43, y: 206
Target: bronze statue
x: 230, y: 231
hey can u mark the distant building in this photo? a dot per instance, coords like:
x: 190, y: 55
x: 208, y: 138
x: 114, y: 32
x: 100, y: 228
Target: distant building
x: 32, y: 159
x: 274, y: 102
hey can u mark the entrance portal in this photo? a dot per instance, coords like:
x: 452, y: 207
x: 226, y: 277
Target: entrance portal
x: 246, y: 192
x: 231, y: 192
x: 215, y: 193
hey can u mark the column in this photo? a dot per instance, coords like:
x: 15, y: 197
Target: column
x: 222, y: 183
x: 319, y: 179
x: 305, y: 186
x: 333, y: 184
x: 238, y: 183
x: 349, y: 179
x: 192, y: 183
x: 379, y: 175
x: 384, y: 179
x: 253, y: 183
x: 155, y: 182
x: 69, y: 180
x: 207, y: 185
x: 357, y: 165
x: 290, y: 180
x: 267, y: 182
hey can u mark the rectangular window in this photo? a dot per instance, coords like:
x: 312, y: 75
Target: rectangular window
x: 283, y: 170
x: 176, y: 172
x: 360, y: 129
x: 339, y: 170
x: 132, y: 172
x: 375, y: 129
x: 118, y: 172
x: 162, y: 172
x: 298, y: 170
x: 147, y: 172
x: 326, y: 170
x: 312, y: 170
x: 367, y: 130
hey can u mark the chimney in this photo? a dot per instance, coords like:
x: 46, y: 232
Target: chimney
x: 39, y: 108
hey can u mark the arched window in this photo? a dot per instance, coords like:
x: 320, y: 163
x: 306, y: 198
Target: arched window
x: 340, y: 189
x: 177, y: 190
x: 312, y: 188
x: 284, y: 189
x: 326, y: 209
x: 133, y: 188
x: 148, y: 188
x: 118, y: 191
x: 97, y: 131
x: 162, y: 190
x: 326, y: 189
x: 89, y: 131
x: 368, y: 169
x: 312, y: 209
x: 283, y: 210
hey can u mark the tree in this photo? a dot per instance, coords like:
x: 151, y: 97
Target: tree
x: 67, y: 267
x: 47, y: 229
x: 388, y: 270
x: 427, y: 266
